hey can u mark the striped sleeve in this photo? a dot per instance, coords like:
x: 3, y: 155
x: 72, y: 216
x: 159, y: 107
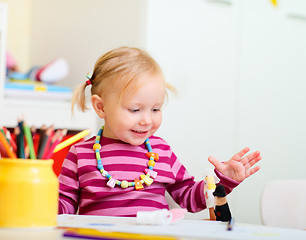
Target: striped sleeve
x: 69, y: 184
x: 227, y: 182
x: 185, y: 191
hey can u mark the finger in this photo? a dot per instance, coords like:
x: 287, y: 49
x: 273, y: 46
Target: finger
x: 214, y: 161
x: 250, y: 157
x: 251, y: 171
x: 252, y: 162
x: 238, y: 156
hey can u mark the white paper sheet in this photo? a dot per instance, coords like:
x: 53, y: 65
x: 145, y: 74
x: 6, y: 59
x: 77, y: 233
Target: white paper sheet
x: 185, y: 228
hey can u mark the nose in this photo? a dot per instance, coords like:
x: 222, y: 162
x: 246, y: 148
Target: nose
x: 146, y: 118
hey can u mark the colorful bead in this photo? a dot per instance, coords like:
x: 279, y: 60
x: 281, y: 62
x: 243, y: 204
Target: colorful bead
x: 147, y: 180
x: 104, y: 173
x: 151, y: 173
x: 152, y: 155
x: 138, y: 185
x: 148, y: 145
x: 98, y: 157
x: 124, y: 184
x: 151, y: 163
x: 96, y: 146
x: 111, y: 182
x: 100, y: 166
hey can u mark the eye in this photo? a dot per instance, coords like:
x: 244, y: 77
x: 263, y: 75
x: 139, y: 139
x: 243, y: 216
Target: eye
x: 134, y: 110
x: 155, y: 109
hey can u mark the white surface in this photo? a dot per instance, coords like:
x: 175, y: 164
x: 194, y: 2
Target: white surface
x: 239, y: 68
x: 272, y: 97
x: 38, y: 95
x: 158, y: 217
x: 38, y: 112
x: 185, y: 228
x: 283, y: 204
x: 195, y: 43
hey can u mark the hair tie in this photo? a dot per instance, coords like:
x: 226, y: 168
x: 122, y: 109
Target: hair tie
x: 88, y: 75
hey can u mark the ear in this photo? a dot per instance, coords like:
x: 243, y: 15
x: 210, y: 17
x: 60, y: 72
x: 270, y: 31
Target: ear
x: 98, y: 105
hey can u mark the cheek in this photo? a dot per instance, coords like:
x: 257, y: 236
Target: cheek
x: 116, y: 113
x: 158, y: 120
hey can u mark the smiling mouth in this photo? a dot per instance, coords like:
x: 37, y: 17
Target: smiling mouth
x: 139, y: 132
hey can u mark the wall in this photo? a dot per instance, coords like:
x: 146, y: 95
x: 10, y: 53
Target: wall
x: 89, y: 28
x: 19, y: 31
x: 197, y: 49
x: 81, y: 31
x: 239, y: 67
x: 272, y: 101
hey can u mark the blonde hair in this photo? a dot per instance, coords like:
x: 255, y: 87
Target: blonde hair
x: 123, y: 69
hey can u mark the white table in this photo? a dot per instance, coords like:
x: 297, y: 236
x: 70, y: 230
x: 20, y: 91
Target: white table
x: 183, y: 230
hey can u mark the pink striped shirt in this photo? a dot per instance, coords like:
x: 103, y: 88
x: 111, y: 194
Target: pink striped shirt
x: 83, y: 187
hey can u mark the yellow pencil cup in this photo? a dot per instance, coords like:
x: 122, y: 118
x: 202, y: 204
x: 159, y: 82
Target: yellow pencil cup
x: 28, y: 193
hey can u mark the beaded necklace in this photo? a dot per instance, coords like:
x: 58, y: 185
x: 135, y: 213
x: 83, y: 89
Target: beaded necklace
x: 146, y: 178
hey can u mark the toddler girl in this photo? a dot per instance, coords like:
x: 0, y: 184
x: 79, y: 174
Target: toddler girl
x: 125, y: 168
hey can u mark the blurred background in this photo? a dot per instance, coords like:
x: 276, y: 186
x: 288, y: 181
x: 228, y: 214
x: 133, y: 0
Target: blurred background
x: 239, y: 67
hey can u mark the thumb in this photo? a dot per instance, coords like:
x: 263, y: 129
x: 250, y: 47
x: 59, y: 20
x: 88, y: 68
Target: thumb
x: 214, y: 161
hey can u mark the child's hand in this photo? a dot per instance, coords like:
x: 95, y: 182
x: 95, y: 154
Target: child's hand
x: 238, y: 167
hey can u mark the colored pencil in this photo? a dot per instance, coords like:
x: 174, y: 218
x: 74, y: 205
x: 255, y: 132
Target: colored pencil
x: 106, y: 235
x: 3, y: 153
x: 29, y: 140
x: 4, y: 133
x: 36, y: 138
x: 9, y: 138
x: 42, y: 136
x: 49, y: 142
x: 53, y: 135
x: 6, y: 146
x: 57, y: 139
x: 21, y: 153
x: 230, y: 224
x: 44, y: 142
x: 71, y: 140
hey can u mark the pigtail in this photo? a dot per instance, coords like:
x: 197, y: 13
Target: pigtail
x: 171, y: 88
x: 78, y: 98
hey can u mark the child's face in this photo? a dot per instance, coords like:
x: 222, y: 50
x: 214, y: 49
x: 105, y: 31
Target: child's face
x: 136, y: 117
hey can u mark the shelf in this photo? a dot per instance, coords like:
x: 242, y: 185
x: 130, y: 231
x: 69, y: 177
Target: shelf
x: 46, y: 112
